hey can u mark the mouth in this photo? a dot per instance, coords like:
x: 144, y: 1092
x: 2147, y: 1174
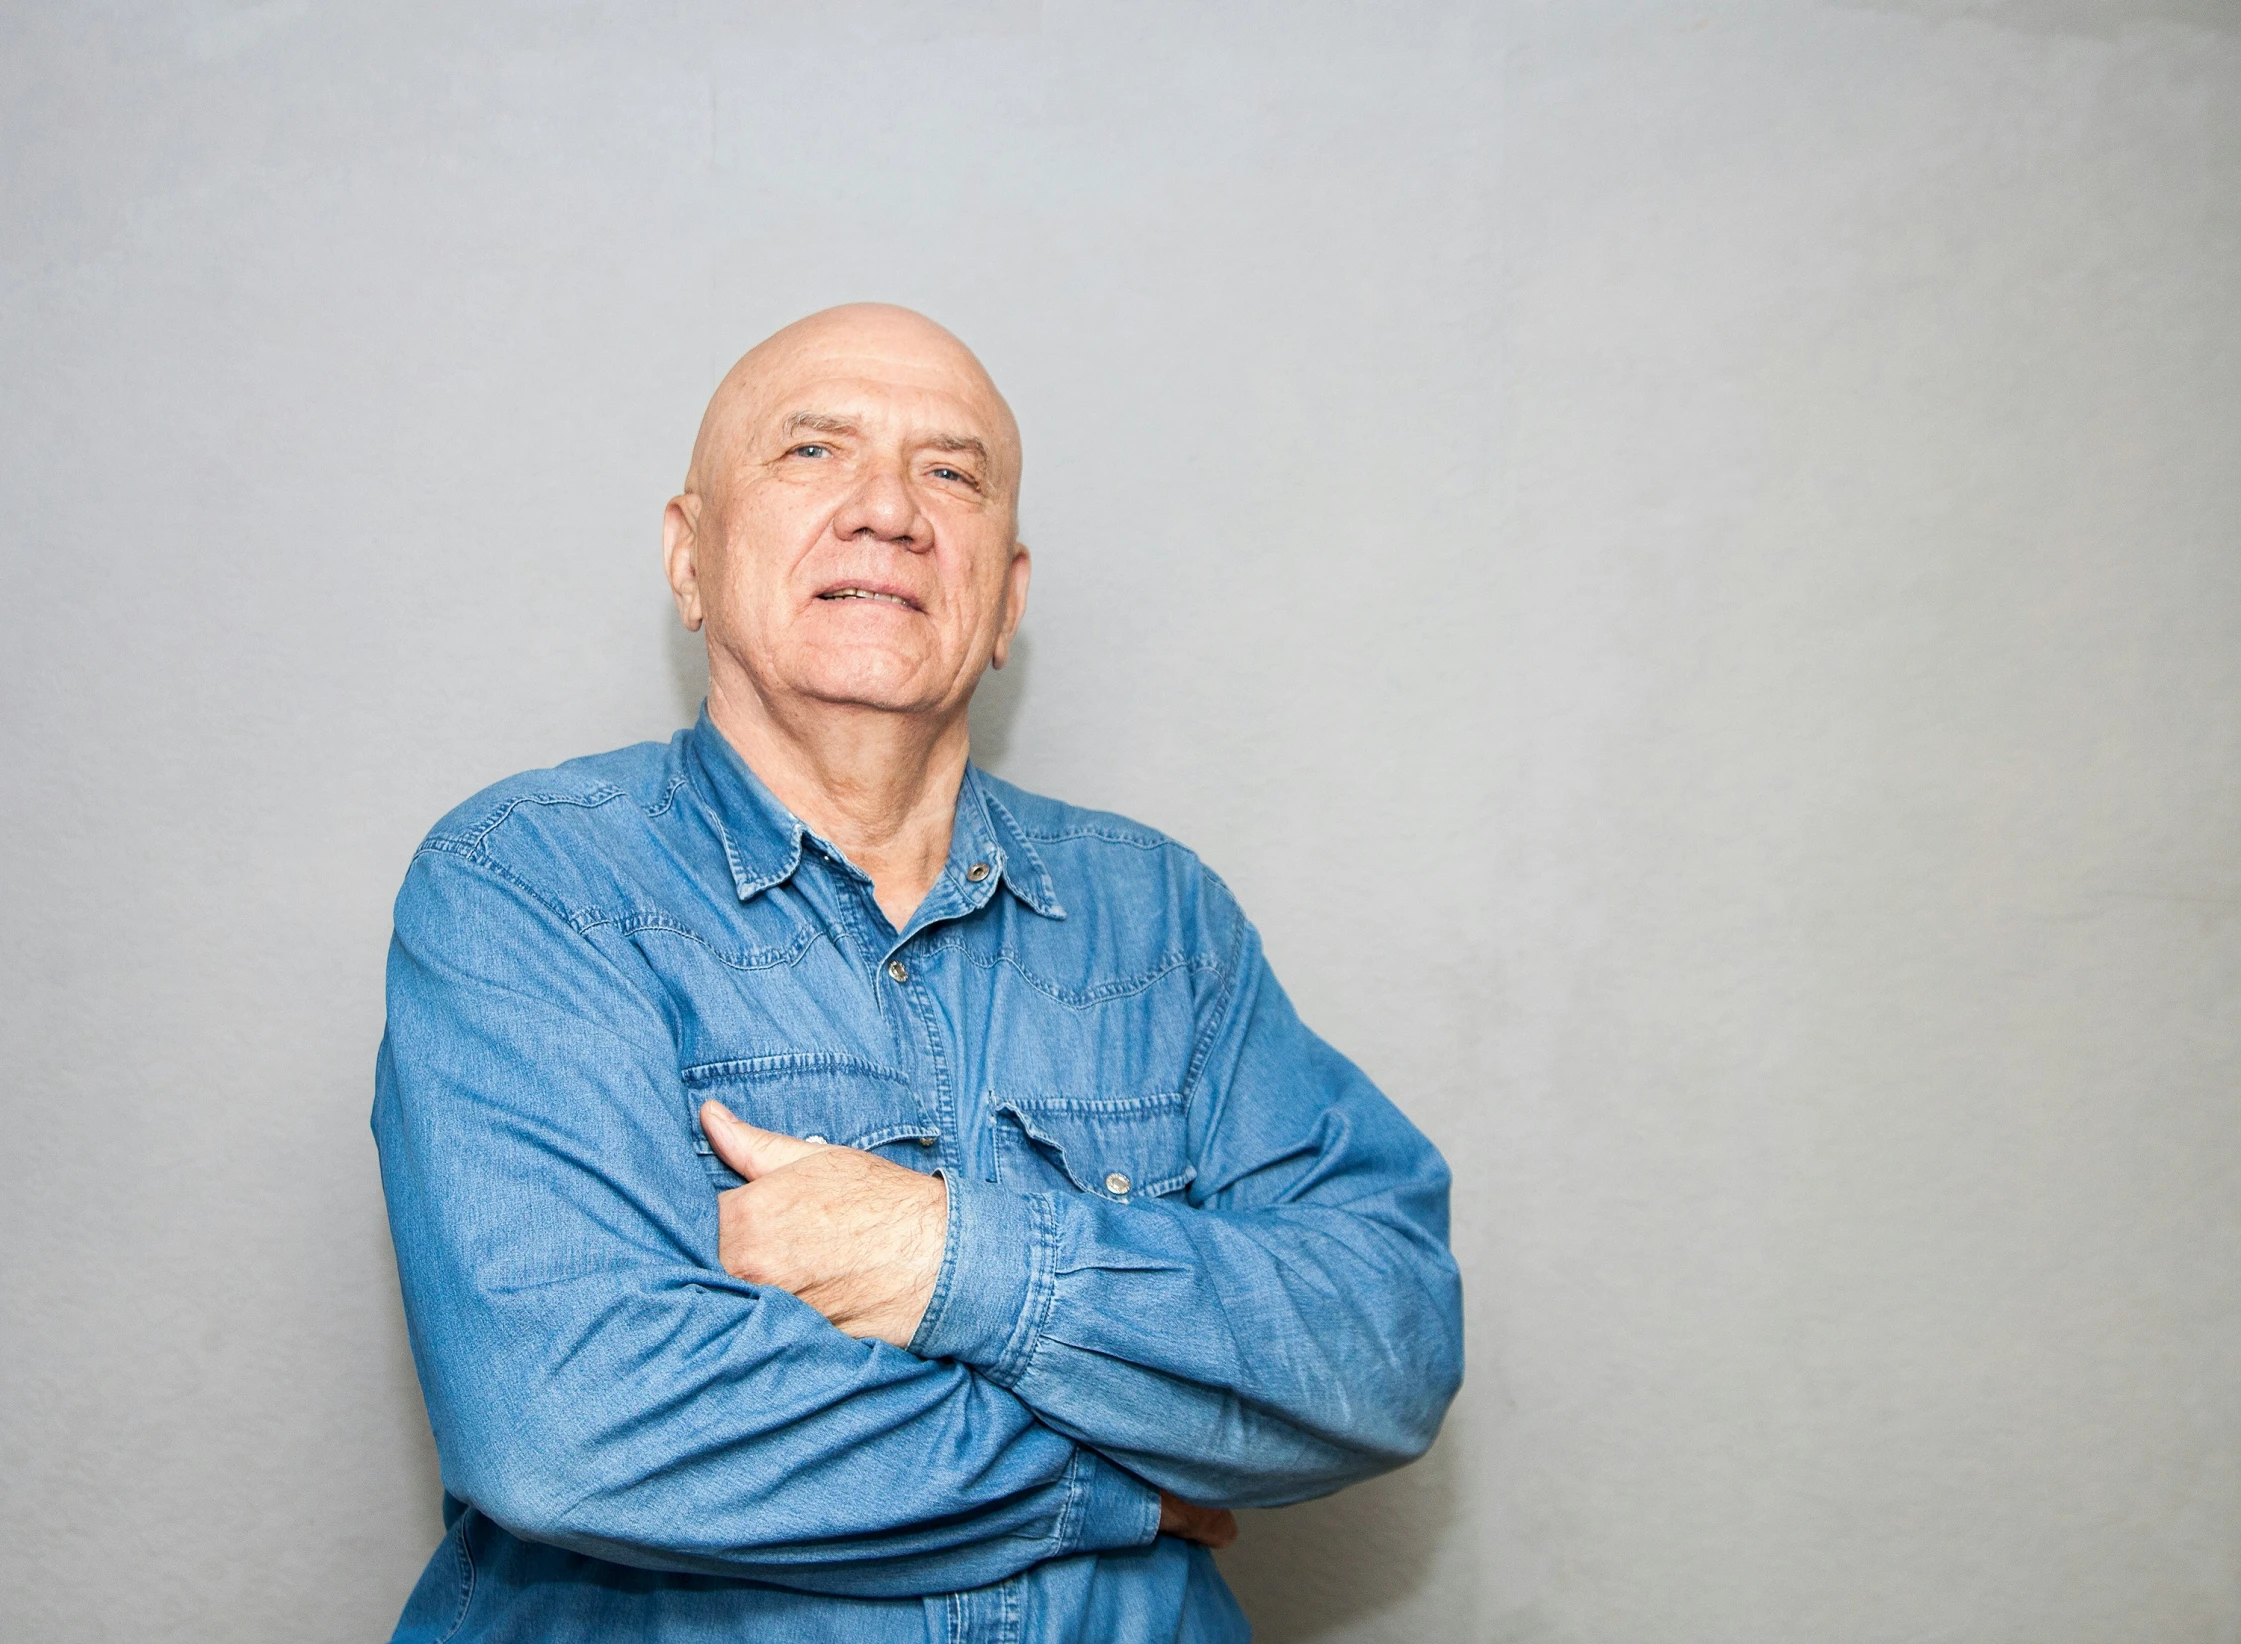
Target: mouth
x: 872, y: 591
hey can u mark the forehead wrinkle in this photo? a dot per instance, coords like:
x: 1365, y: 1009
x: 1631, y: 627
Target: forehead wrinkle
x: 843, y: 342
x: 958, y: 442
x: 819, y: 422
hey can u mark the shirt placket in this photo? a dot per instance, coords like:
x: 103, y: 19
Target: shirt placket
x: 957, y: 894
x: 986, y: 1615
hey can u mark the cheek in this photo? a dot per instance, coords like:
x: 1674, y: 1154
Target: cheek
x: 746, y: 600
x: 765, y: 542
x: 980, y: 575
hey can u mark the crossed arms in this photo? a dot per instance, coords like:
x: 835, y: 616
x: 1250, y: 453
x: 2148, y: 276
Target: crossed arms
x: 860, y: 1239
x: 600, y: 1377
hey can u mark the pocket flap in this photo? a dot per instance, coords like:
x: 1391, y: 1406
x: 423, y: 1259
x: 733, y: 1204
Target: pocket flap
x: 817, y: 1096
x: 1134, y: 1147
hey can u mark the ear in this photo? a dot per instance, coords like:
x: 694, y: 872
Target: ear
x: 680, y: 549
x: 1016, y: 577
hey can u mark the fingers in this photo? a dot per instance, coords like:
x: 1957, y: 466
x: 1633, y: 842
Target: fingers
x: 751, y: 1151
x: 1214, y: 1527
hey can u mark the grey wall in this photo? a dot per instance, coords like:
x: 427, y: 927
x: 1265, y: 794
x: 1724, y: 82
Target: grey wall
x: 1684, y: 558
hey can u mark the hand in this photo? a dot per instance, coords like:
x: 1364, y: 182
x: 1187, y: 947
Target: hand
x: 1208, y: 1526
x: 856, y: 1237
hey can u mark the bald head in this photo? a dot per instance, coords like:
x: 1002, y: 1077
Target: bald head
x: 848, y: 531
x: 853, y: 344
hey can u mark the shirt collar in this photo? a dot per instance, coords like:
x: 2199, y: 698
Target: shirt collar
x: 763, y: 840
x: 1010, y: 855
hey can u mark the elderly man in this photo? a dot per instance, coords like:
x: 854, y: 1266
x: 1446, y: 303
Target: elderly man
x: 838, y: 1195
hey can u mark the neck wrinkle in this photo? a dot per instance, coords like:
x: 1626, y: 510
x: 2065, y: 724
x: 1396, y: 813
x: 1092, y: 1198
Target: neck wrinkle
x: 880, y: 786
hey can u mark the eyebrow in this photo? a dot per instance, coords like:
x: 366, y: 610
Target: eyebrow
x: 824, y: 422
x: 958, y: 442
x: 818, y: 422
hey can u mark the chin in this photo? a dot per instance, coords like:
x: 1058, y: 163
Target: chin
x: 882, y: 682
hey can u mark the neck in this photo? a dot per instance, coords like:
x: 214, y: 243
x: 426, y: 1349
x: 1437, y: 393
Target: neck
x: 882, y: 786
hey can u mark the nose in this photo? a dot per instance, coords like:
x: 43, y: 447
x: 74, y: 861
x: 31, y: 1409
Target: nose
x: 883, y: 507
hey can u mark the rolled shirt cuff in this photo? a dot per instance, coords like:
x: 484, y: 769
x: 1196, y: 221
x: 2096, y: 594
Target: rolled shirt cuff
x: 995, y: 1284
x: 989, y: 1303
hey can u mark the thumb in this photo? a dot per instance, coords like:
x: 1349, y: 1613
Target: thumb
x: 750, y: 1151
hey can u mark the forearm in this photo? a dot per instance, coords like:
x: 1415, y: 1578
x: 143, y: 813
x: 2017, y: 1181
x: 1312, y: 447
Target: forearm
x: 673, y: 1419
x: 1236, y: 1357
x: 594, y: 1378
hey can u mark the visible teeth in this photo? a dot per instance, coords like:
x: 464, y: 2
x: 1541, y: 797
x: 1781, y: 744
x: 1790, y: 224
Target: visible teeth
x: 863, y: 593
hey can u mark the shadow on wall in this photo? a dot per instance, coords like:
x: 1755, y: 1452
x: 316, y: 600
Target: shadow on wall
x: 996, y: 707
x: 686, y: 656
x: 1318, y: 1569
x: 995, y: 704
x: 1321, y: 1568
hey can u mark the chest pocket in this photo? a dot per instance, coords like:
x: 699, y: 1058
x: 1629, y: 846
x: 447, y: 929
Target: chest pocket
x: 1131, y: 1148
x: 819, y: 1097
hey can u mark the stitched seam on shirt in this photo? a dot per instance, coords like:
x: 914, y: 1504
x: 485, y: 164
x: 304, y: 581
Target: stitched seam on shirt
x: 865, y: 943
x: 939, y: 1301
x: 794, y: 1061
x: 482, y: 859
x: 1042, y: 1294
x: 1072, y: 1512
x: 1042, y: 896
x: 669, y: 798
x: 948, y: 1123
x: 1120, y: 988
x: 1219, y: 1015
x: 1112, y: 836
x: 1115, y: 1106
x: 742, y: 881
x: 498, y: 870
x: 767, y: 958
x: 605, y: 793
x: 466, y: 1581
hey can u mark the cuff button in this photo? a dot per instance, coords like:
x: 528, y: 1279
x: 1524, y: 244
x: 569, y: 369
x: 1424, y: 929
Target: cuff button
x: 1116, y: 1184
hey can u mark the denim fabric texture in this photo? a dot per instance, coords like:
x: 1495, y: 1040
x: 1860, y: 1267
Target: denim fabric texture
x: 1190, y: 1246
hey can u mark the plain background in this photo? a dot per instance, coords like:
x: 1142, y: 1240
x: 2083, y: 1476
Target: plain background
x: 1685, y: 559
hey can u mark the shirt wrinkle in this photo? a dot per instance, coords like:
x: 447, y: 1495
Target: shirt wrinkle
x: 1175, y: 1220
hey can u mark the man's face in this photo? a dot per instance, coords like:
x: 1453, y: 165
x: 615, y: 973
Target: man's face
x: 849, y: 533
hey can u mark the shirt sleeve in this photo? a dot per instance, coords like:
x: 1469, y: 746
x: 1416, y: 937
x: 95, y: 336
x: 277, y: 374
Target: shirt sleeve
x: 594, y: 1378
x: 1291, y: 1325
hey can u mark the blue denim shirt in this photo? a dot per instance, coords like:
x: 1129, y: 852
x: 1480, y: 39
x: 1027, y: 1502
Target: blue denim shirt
x: 1190, y: 1246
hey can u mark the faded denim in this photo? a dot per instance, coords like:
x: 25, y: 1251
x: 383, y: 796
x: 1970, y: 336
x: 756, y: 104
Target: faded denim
x: 1190, y: 1246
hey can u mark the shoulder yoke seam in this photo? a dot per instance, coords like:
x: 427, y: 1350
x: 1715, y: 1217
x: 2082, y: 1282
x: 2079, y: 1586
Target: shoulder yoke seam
x: 1111, y: 836
x: 475, y: 856
x: 589, y: 799
x: 668, y: 797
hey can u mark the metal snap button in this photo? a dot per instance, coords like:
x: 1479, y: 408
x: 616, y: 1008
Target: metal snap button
x: 898, y: 970
x: 977, y: 872
x: 925, y: 1141
x: 1116, y: 1184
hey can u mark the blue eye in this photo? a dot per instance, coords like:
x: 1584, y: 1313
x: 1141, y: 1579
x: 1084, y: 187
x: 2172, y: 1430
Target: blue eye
x: 947, y: 473
x: 811, y: 451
